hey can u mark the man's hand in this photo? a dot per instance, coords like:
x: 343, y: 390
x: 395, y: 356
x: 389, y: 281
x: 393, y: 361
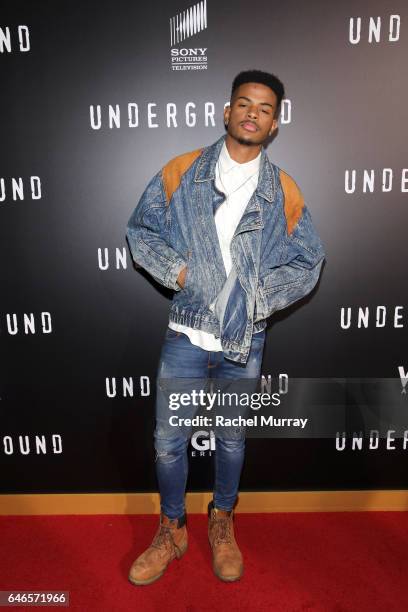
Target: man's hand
x: 182, y: 277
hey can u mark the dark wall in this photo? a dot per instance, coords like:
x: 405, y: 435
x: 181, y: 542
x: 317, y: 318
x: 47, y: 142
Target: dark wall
x: 95, y: 322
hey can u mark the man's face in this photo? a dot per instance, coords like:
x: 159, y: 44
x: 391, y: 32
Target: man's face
x: 250, y: 115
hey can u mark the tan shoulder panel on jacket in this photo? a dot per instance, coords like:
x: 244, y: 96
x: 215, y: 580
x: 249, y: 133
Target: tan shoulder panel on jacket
x: 174, y: 170
x: 294, y: 201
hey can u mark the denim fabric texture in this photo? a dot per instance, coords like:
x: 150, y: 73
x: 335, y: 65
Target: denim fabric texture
x: 274, y: 268
x: 182, y: 361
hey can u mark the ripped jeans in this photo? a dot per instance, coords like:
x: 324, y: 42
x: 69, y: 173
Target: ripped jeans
x: 180, y: 359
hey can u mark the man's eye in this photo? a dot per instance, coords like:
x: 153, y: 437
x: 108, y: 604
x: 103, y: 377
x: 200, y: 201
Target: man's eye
x: 266, y: 112
x: 242, y: 104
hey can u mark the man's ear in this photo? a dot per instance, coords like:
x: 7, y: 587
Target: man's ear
x: 227, y: 110
x: 274, y: 127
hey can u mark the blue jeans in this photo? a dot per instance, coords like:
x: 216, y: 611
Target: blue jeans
x: 180, y: 359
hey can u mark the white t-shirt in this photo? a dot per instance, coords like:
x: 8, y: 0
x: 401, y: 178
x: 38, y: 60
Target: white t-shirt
x: 237, y: 182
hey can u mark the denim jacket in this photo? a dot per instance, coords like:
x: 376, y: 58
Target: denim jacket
x: 276, y: 252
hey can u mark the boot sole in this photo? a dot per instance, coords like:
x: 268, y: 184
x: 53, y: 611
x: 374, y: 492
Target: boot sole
x: 179, y: 553
x: 146, y: 582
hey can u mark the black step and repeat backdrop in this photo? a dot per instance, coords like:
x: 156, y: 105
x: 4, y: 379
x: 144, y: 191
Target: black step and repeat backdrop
x: 95, y: 98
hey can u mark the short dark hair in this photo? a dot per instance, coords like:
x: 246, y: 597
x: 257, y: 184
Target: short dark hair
x: 258, y: 76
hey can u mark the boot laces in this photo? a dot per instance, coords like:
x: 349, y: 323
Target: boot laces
x: 223, y: 531
x: 163, y: 538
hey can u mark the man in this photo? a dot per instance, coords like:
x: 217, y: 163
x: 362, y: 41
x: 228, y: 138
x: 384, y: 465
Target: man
x: 229, y: 232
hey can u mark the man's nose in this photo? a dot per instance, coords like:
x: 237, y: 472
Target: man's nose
x: 252, y: 111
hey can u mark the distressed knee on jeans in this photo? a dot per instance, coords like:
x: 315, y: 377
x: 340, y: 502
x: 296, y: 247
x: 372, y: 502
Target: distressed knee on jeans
x: 165, y: 456
x: 168, y: 453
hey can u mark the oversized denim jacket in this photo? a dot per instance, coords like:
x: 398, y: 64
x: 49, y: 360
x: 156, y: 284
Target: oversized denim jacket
x: 276, y: 252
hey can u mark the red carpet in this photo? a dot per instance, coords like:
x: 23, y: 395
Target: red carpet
x: 329, y: 562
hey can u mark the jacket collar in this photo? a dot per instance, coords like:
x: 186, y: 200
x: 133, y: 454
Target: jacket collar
x: 205, y: 170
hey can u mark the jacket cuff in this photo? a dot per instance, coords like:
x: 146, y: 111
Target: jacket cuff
x: 172, y: 274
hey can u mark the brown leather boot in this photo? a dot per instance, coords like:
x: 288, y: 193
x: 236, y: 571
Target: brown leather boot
x: 170, y: 542
x: 227, y: 558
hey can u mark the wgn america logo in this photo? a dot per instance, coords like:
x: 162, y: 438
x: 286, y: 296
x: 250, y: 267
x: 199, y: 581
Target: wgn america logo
x: 404, y: 379
x: 202, y: 443
x: 184, y: 25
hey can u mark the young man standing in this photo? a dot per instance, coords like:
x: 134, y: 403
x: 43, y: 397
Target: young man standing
x: 229, y: 232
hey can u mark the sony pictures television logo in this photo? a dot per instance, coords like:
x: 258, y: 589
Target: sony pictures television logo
x: 184, y: 26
